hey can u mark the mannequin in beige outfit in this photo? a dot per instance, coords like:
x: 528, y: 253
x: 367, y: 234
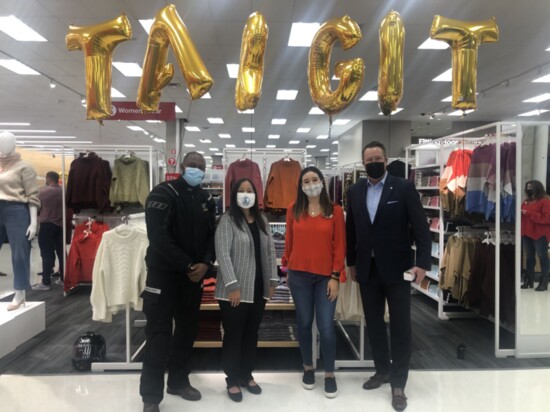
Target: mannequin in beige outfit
x: 18, y: 211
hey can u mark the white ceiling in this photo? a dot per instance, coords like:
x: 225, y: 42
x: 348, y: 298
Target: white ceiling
x: 216, y: 28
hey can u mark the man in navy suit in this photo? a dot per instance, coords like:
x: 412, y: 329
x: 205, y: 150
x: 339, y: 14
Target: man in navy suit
x: 384, y: 216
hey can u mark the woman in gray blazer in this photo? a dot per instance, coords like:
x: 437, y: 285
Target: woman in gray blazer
x: 247, y: 277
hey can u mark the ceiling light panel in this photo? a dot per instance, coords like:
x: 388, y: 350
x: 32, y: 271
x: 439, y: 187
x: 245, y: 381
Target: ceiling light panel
x: 446, y: 76
x: 128, y: 69
x: 287, y: 94
x: 341, y: 122
x: 273, y: 136
x: 18, y: 30
x: 316, y: 111
x: 302, y: 34
x: 294, y: 142
x: 543, y: 79
x: 399, y: 109
x: 233, y: 70
x: 538, y: 99
x: 303, y: 130
x: 371, y: 96
x: 460, y: 112
x: 249, y: 129
x: 224, y: 136
x: 533, y: 113
x: 192, y: 129
x: 18, y: 67
x: 431, y: 44
x: 278, y: 121
x: 215, y: 120
x: 116, y: 93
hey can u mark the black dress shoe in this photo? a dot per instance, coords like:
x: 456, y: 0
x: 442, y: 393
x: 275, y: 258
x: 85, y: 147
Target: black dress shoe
x: 150, y: 407
x: 376, y: 381
x: 188, y: 393
x: 235, y: 397
x: 398, y: 399
x: 254, y: 389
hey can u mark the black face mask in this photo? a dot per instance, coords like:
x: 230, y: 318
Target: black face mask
x: 529, y: 192
x: 375, y: 169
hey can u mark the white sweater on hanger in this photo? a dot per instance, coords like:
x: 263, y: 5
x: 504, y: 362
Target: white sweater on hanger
x: 119, y: 272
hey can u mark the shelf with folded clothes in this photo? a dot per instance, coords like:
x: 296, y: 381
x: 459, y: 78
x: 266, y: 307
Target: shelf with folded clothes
x: 430, y: 292
x: 435, y: 250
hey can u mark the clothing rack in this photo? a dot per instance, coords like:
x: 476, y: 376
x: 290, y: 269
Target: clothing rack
x: 129, y: 363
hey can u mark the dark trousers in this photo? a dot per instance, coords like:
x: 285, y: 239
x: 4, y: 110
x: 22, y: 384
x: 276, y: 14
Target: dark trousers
x: 373, y: 294
x: 171, y: 329
x: 50, y: 241
x: 240, y: 339
x: 532, y: 247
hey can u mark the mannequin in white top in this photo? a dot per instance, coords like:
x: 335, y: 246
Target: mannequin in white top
x: 18, y: 211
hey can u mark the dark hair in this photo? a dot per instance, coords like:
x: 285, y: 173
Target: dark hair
x: 538, y: 189
x: 237, y: 214
x: 53, y: 176
x: 374, y: 144
x: 302, y: 202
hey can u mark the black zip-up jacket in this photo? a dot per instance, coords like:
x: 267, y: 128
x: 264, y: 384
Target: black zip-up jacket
x: 180, y: 226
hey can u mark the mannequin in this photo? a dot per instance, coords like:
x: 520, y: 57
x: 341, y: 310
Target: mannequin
x: 18, y: 210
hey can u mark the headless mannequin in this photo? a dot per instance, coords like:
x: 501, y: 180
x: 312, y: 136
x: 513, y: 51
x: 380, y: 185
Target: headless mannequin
x: 18, y: 205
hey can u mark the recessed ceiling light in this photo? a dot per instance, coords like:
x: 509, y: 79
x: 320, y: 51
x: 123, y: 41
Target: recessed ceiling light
x: 325, y: 150
x: 250, y: 141
x: 543, y: 79
x: 146, y: 24
x: 136, y: 128
x: 44, y: 137
x: 224, y: 136
x: 460, y: 112
x: 294, y: 142
x: 273, y: 136
x: 308, y: 155
x: 153, y: 121
x: 249, y: 129
x: 335, y: 153
x: 432, y: 44
x: 178, y: 110
x: 213, y: 149
x: 192, y: 129
x: 159, y: 140
x: 303, y: 130
x: 448, y: 99
x: 548, y: 49
x: 335, y: 142
x: 215, y: 120
x: 371, y: 96
x: 315, y: 110
x: 233, y: 70
x: 311, y: 146
x: 18, y: 67
x: 533, y: 113
x: 208, y: 157
x: 248, y: 111
x: 206, y: 96
x: 322, y: 137
x: 278, y: 121
x: 287, y: 94
x: 128, y: 69
x: 200, y: 151
x: 14, y: 124
x: 302, y: 34
x: 394, y: 112
x: 205, y: 141
x: 230, y: 145
x: 446, y: 76
x: 116, y: 93
x: 189, y: 145
x: 270, y: 146
x: 28, y: 131
x: 18, y: 30
x: 538, y: 99
x: 218, y: 154
x: 341, y: 122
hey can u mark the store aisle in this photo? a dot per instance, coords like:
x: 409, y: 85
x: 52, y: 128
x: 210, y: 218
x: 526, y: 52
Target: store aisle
x: 503, y: 391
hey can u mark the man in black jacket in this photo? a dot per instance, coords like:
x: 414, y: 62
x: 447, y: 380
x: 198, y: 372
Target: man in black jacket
x: 381, y: 211
x: 180, y: 219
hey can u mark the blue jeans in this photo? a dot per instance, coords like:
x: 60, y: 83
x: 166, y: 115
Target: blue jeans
x: 14, y: 222
x: 540, y: 247
x: 309, y: 292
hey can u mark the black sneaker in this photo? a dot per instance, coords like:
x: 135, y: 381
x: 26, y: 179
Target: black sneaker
x: 331, y: 390
x: 308, y: 380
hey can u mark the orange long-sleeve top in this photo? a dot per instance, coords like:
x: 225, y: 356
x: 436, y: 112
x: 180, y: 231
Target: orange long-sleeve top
x: 315, y: 244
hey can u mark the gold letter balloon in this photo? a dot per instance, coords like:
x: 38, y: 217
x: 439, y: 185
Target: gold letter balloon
x: 98, y: 43
x: 349, y: 72
x: 169, y: 30
x: 390, y: 71
x: 464, y: 37
x: 251, y: 68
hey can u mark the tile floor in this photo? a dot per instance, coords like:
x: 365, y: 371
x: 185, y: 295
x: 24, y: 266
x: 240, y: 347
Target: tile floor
x: 428, y: 391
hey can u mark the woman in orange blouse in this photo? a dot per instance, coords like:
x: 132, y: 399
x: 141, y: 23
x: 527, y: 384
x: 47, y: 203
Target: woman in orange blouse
x: 315, y: 248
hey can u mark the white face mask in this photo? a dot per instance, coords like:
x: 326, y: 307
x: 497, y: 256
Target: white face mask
x: 246, y: 200
x: 313, y: 189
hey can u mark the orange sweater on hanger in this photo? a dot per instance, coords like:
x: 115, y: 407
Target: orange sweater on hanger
x: 281, y: 187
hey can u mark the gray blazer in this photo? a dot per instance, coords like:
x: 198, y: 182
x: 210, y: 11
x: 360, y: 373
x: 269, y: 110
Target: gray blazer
x: 236, y: 260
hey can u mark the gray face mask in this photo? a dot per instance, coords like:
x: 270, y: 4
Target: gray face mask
x: 313, y: 189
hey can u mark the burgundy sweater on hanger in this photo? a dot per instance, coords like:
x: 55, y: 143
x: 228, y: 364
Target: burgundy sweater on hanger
x: 241, y: 169
x: 89, y: 183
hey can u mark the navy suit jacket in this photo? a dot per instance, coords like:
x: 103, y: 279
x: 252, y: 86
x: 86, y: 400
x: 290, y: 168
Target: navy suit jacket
x: 399, y: 219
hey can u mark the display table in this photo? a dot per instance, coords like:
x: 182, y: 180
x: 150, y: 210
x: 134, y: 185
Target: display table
x: 18, y: 326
